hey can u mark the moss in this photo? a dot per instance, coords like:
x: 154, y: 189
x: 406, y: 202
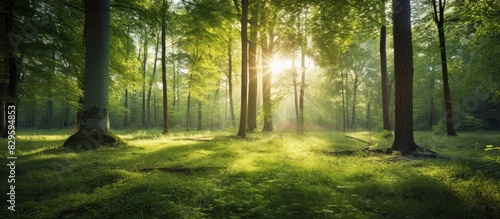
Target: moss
x: 84, y: 141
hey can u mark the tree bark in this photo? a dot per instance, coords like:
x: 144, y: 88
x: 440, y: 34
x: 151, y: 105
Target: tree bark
x: 403, y: 73
x: 302, y: 86
x: 244, y: 69
x: 267, y: 45
x: 188, y: 110
x: 295, y: 95
x: 230, y: 82
x: 252, y: 70
x: 303, y: 46
x: 200, y: 121
x: 9, y: 78
x: 384, y: 79
x: 164, y: 67
x: 355, y: 91
x: 439, y: 20
x: 150, y: 88
x: 125, y: 117
x: 94, y: 128
x: 267, y: 54
x: 145, y: 56
x: 343, y: 102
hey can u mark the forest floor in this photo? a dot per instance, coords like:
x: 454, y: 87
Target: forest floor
x: 268, y: 175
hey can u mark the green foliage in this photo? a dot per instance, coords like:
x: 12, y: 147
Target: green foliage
x: 471, y: 123
x: 439, y: 128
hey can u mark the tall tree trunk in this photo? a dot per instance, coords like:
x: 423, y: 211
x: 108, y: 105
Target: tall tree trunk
x: 303, y: 46
x: 9, y: 78
x: 347, y: 123
x: 230, y: 82
x: 439, y: 20
x: 188, y: 115
x: 267, y: 54
x: 302, y: 86
x: 125, y: 116
x: 94, y: 128
x: 154, y: 109
x: 252, y: 69
x: 343, y: 102
x: 174, y: 73
x: 145, y: 57
x: 150, y: 88
x: 164, y: 67
x: 403, y: 73
x: 295, y: 97
x: 354, y: 96
x: 368, y: 118
x: 432, y: 116
x: 66, y: 116
x: 244, y: 69
x: 6, y: 17
x: 200, y: 121
x: 50, y: 103
x: 384, y: 79
x: 267, y: 39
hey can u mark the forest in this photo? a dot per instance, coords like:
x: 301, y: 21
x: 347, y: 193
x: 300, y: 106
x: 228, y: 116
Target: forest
x: 250, y: 108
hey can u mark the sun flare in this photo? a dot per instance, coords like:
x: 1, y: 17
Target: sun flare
x: 280, y: 66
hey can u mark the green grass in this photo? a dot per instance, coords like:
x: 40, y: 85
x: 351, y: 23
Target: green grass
x: 268, y: 175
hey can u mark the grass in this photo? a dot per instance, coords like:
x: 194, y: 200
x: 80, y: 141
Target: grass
x: 268, y: 175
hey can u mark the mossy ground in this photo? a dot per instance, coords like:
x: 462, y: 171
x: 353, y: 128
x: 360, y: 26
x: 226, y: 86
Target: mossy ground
x: 268, y: 175
x: 83, y: 141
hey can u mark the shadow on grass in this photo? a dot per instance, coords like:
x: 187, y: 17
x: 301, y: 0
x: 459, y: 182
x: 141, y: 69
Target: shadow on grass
x: 108, y: 183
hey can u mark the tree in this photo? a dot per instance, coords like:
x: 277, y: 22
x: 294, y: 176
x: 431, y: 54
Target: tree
x: 230, y: 78
x: 439, y: 20
x: 403, y: 76
x: 383, y: 74
x: 252, y: 67
x: 9, y: 74
x: 267, y: 45
x: 164, y: 66
x: 303, y: 48
x: 94, y: 130
x: 244, y: 68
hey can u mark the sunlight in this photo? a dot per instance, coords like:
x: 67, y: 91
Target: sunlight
x: 280, y: 66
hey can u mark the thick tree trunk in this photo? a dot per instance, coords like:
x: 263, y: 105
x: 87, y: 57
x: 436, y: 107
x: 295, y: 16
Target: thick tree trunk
x: 244, y: 69
x: 384, y: 79
x: 403, y: 73
x: 252, y: 71
x: 439, y: 20
x: 164, y: 68
x: 4, y: 70
x: 94, y: 128
x: 9, y: 78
